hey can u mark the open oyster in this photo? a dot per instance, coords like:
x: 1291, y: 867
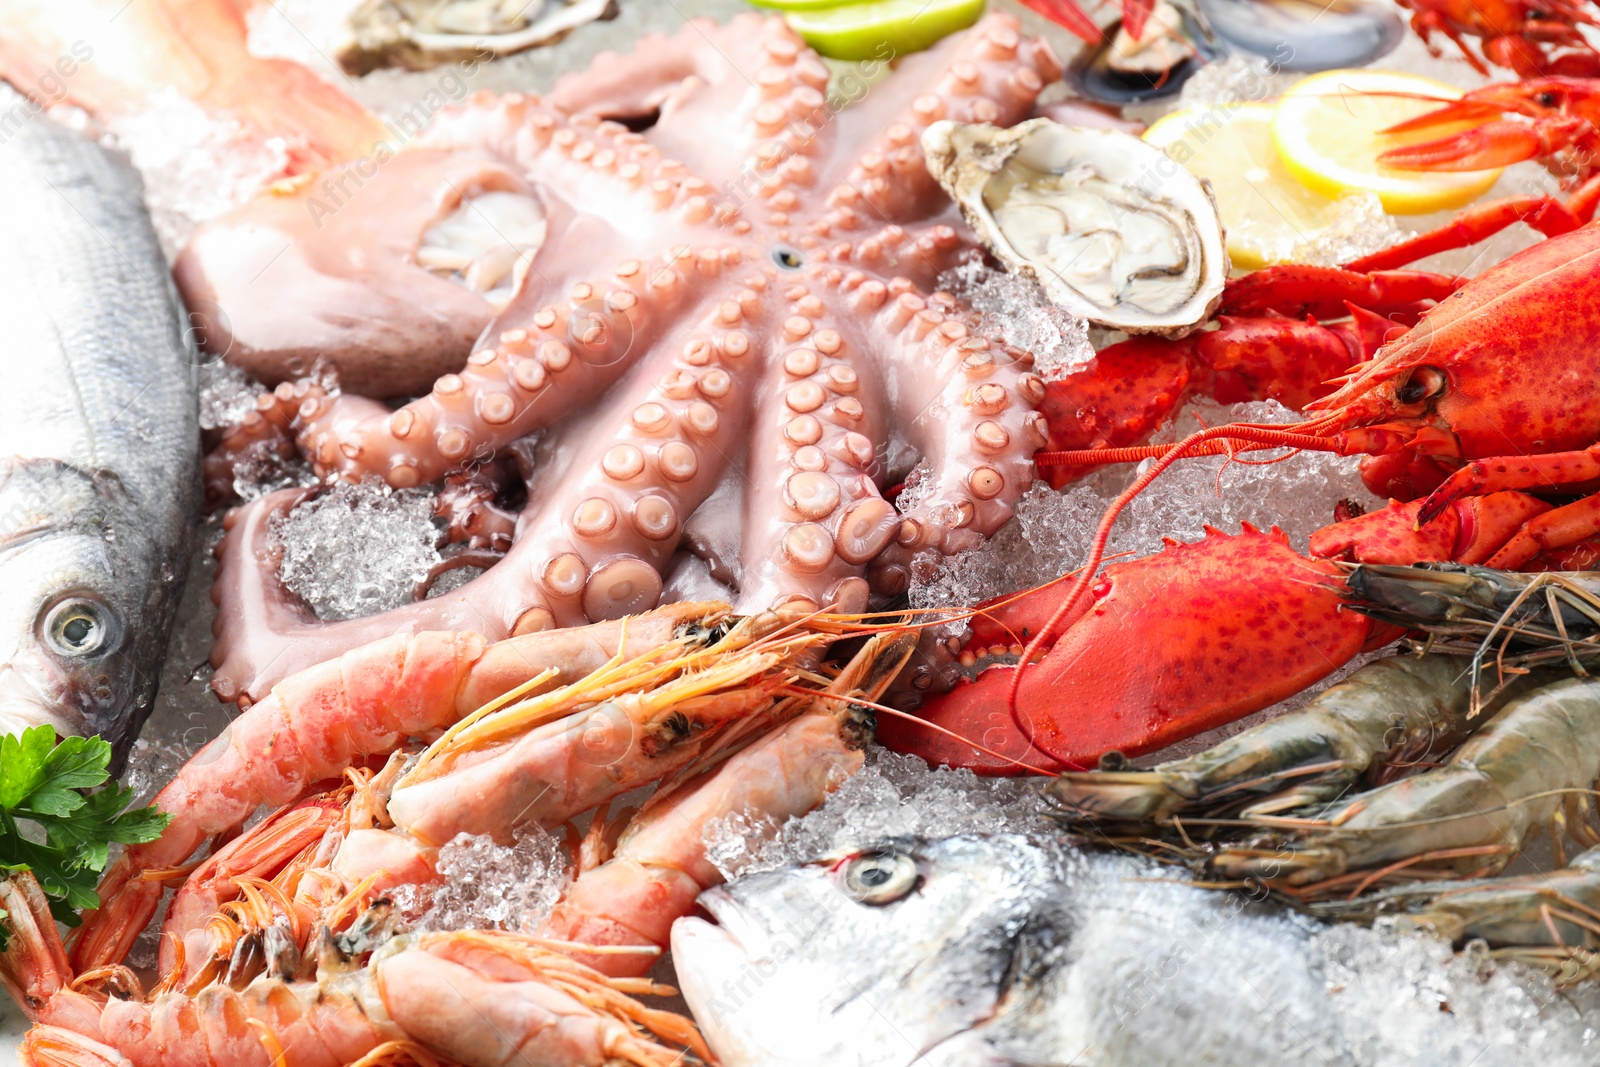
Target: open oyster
x: 421, y: 34
x: 1112, y: 228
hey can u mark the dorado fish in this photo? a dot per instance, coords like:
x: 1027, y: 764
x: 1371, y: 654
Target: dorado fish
x: 99, y: 444
x: 1005, y: 951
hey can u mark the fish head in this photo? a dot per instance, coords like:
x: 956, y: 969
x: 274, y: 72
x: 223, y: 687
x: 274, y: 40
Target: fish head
x: 876, y: 955
x: 68, y: 622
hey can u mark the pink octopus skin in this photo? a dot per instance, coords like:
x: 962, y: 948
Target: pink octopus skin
x: 764, y: 337
x: 384, y: 324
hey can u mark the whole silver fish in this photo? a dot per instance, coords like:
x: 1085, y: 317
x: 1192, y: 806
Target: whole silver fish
x: 1007, y: 951
x: 99, y: 443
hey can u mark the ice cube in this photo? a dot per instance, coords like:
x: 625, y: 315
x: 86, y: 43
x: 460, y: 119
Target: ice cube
x: 891, y: 795
x: 1050, y: 533
x: 358, y: 548
x: 1014, y: 310
x: 1359, y: 229
x: 1239, y: 79
x: 227, y: 395
x: 488, y: 886
x: 195, y: 166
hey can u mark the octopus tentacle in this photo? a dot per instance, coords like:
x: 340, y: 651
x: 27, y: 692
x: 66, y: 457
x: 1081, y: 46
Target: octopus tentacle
x: 920, y: 253
x: 613, y: 508
x: 966, y: 405
x: 264, y: 432
x: 562, y: 359
x: 991, y: 74
x: 813, y: 515
x: 604, y: 517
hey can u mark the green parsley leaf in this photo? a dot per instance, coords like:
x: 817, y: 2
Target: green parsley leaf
x: 58, y: 819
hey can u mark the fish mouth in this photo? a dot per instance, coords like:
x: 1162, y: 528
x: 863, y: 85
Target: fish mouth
x: 17, y: 716
x: 728, y: 920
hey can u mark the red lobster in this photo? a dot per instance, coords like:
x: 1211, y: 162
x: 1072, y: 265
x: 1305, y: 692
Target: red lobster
x: 1506, y: 367
x: 1563, y: 130
x: 1135, y: 13
x: 1516, y: 34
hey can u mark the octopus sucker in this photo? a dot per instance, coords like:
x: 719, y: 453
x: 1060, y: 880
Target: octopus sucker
x: 728, y: 340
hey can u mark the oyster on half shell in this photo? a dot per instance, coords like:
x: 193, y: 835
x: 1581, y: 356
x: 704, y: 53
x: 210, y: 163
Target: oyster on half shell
x: 1112, y: 228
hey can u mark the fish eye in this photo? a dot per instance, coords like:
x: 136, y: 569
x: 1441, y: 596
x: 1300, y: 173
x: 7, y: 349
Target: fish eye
x: 1425, y: 383
x: 878, y: 877
x: 1547, y: 98
x: 79, y: 627
x: 787, y: 258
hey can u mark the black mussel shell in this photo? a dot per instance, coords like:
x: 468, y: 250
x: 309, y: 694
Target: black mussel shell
x: 1306, y: 35
x: 1092, y: 75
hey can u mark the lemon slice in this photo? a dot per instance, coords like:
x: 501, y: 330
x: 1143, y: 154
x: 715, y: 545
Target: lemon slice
x: 1264, y: 208
x: 882, y: 29
x: 1327, y: 128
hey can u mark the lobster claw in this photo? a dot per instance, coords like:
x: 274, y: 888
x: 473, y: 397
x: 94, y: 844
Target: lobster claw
x: 1167, y: 646
x: 1067, y: 13
x: 1494, y: 144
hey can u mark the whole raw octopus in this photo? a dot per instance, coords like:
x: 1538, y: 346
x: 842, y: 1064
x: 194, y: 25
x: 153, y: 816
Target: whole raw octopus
x: 727, y: 340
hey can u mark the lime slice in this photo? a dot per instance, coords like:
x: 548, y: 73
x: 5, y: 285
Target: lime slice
x: 1264, y: 208
x: 800, y: 5
x: 1328, y: 132
x: 883, y: 29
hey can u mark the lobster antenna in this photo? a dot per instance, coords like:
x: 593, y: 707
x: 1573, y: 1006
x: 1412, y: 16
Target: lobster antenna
x: 1197, y: 443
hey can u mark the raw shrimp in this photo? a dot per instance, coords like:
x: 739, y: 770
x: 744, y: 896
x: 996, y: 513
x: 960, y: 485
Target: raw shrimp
x: 1390, y: 714
x: 1557, y: 909
x: 660, y: 864
x: 472, y: 997
x: 316, y: 724
x: 1472, y: 814
x: 131, y: 53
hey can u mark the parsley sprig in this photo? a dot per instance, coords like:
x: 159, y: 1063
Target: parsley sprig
x: 58, y: 819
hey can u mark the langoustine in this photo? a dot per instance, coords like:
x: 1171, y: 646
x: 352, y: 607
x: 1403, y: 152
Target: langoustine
x: 471, y: 997
x: 731, y: 716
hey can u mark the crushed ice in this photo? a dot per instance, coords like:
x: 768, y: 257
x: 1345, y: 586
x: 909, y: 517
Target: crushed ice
x: 1175, y: 974
x: 488, y: 886
x: 358, y: 548
x: 1050, y: 533
x: 1360, y: 228
x: 1014, y: 310
x: 891, y: 795
x: 195, y: 167
x: 1239, y: 79
x: 227, y: 395
x: 1153, y: 952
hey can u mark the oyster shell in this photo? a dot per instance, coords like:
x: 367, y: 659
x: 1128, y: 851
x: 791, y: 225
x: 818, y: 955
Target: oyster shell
x: 422, y: 34
x: 1112, y: 229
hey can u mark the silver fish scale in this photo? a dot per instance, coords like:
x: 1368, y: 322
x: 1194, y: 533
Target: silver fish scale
x: 99, y: 440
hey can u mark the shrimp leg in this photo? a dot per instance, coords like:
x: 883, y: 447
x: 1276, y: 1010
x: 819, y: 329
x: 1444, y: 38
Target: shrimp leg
x: 316, y: 724
x: 660, y: 864
x: 1474, y: 813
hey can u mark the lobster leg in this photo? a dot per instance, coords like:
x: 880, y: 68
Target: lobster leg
x: 1471, y: 530
x: 1327, y: 292
x: 1426, y: 23
x: 1556, y: 529
x: 1546, y: 214
x: 1133, y: 387
x: 1549, y: 471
